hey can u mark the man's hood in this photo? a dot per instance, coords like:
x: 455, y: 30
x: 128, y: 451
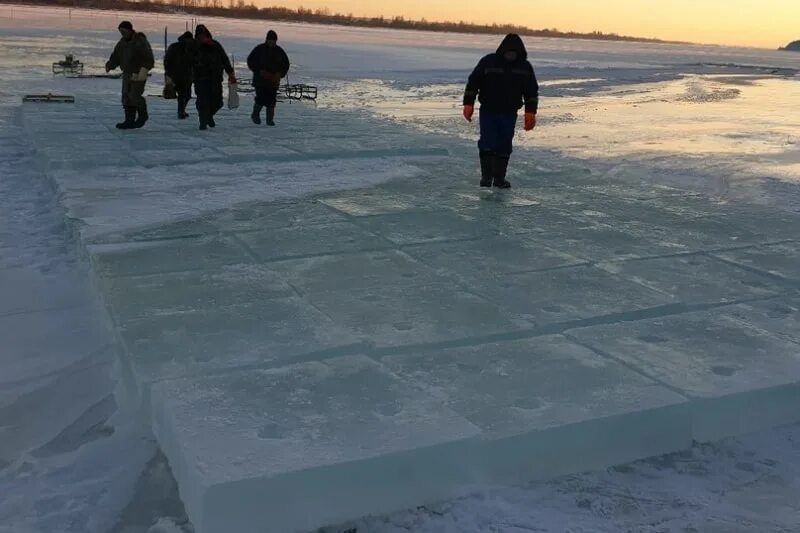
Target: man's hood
x: 513, y: 42
x: 201, y: 30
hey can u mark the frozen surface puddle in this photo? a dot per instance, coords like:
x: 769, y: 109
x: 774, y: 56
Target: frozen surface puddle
x: 322, y: 328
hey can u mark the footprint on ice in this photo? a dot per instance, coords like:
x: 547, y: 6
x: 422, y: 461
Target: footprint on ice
x: 653, y: 339
x: 781, y: 311
x: 724, y: 371
x: 528, y: 404
x: 387, y: 409
x: 270, y: 430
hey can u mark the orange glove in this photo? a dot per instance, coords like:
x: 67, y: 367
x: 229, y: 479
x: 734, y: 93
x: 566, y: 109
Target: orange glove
x: 530, y: 121
x: 469, y: 110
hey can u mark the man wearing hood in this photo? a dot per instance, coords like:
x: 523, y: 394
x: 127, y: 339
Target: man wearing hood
x: 178, y: 63
x: 269, y: 64
x: 504, y: 82
x: 210, y: 61
x: 135, y: 57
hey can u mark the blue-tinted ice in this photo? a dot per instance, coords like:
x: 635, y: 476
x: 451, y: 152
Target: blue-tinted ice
x: 322, y: 329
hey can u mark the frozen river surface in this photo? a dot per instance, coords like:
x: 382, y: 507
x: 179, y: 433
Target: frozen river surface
x: 277, y: 330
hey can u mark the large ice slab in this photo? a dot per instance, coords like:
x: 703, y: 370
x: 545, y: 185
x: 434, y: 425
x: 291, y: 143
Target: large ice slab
x: 741, y: 378
x: 192, y: 227
x: 365, y: 203
x: 273, y: 215
x: 568, y: 294
x: 492, y: 257
x: 312, y: 240
x: 781, y: 260
x: 602, y: 242
x: 779, y: 316
x: 266, y: 333
x: 535, y: 220
x: 773, y: 224
x: 171, y: 172
x: 300, y: 447
x: 612, y: 204
x: 165, y: 294
x: 548, y: 406
x: 359, y: 270
x: 713, y: 233
x: 129, y: 259
x: 421, y: 226
x: 697, y: 279
x: 413, y: 314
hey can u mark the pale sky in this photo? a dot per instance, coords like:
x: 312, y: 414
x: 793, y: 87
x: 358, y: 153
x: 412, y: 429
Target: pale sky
x: 762, y: 23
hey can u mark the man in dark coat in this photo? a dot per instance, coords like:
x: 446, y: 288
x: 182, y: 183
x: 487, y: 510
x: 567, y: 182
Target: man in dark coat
x: 210, y: 61
x: 178, y: 63
x: 269, y: 64
x: 135, y: 57
x: 504, y: 82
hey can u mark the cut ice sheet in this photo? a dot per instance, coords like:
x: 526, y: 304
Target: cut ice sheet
x: 305, y: 446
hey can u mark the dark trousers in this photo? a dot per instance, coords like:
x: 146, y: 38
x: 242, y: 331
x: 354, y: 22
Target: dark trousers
x: 184, y: 90
x: 209, y: 98
x: 266, y: 96
x: 133, y: 94
x: 497, y: 133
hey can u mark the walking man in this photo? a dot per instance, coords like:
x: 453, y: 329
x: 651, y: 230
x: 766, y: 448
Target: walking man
x: 504, y: 82
x: 210, y: 61
x: 135, y: 57
x: 269, y: 64
x: 178, y: 63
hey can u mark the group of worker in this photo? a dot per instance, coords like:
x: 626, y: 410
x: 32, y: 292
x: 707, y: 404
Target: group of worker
x: 503, y: 82
x: 196, y: 59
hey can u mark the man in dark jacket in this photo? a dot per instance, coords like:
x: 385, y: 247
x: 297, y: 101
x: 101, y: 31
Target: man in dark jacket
x: 269, y: 64
x: 210, y: 61
x: 504, y: 82
x: 178, y: 63
x: 135, y: 57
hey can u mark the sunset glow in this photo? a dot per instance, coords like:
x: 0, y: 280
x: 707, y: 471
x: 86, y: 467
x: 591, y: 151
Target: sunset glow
x: 769, y: 24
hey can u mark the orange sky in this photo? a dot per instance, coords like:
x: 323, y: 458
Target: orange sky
x: 768, y: 23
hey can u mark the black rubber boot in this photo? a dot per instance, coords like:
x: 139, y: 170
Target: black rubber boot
x: 203, y: 120
x: 130, y: 119
x: 211, y: 123
x: 500, y: 170
x: 182, y: 114
x: 487, y: 168
x: 255, y: 116
x: 270, y: 116
x: 142, y: 118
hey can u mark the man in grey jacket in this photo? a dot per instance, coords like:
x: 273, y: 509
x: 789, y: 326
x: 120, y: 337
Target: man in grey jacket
x: 134, y: 56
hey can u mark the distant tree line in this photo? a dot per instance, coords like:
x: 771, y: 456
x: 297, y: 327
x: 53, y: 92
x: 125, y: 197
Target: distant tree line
x: 243, y: 9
